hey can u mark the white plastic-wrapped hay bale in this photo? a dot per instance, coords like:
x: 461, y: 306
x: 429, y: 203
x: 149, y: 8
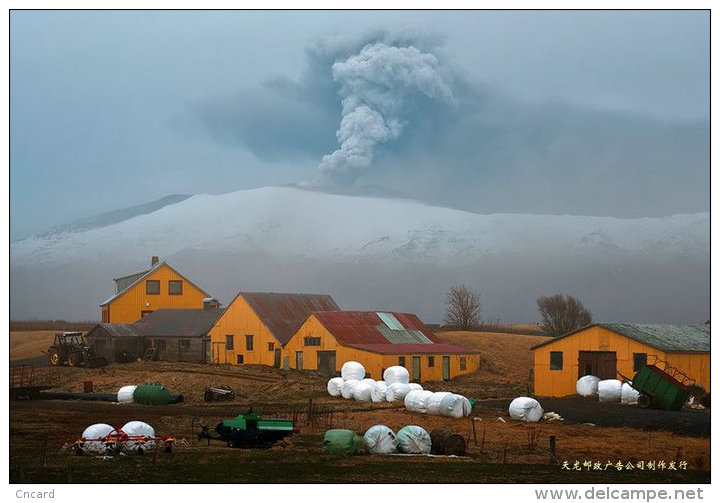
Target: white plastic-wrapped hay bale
x: 380, y: 439
x: 587, y: 385
x: 415, y: 386
x: 524, y: 408
x: 347, y: 388
x: 362, y: 390
x: 628, y: 394
x: 396, y: 391
x: 379, y: 392
x: 141, y: 431
x: 334, y: 386
x: 610, y: 391
x: 414, y: 440
x: 94, y: 437
x: 454, y: 405
x: 125, y: 394
x: 370, y: 381
x: 417, y: 401
x: 395, y: 374
x: 433, y: 402
x: 352, y: 370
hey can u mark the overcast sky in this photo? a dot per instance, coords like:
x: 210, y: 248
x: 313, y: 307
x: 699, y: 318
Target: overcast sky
x: 592, y: 113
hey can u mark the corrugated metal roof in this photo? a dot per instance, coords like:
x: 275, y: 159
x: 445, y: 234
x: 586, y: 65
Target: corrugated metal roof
x: 116, y: 330
x: 138, y: 277
x: 179, y: 322
x: 366, y: 330
x: 674, y: 338
x: 283, y: 313
x: 409, y: 349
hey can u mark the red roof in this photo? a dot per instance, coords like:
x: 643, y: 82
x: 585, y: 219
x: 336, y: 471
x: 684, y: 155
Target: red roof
x: 406, y: 349
x: 283, y: 313
x: 362, y: 330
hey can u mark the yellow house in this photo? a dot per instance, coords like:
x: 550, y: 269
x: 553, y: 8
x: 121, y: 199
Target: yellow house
x: 160, y: 287
x: 378, y: 340
x: 604, y: 349
x: 256, y: 325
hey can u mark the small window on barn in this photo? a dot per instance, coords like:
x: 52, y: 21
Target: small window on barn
x: 230, y: 342
x: 639, y: 361
x: 312, y: 341
x: 556, y: 360
x: 401, y: 361
x: 463, y: 363
x: 183, y: 344
x: 240, y: 359
x: 431, y: 361
x: 152, y: 287
x: 175, y: 287
x: 271, y: 346
x: 248, y: 342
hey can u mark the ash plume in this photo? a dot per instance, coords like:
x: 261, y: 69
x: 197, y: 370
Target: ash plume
x: 379, y: 86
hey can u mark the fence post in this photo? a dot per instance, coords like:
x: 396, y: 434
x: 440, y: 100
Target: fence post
x: 553, y: 457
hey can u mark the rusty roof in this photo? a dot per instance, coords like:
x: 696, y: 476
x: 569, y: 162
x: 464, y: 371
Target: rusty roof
x: 283, y: 313
x: 369, y: 331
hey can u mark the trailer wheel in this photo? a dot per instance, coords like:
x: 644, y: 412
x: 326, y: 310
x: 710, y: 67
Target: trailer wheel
x: 644, y: 400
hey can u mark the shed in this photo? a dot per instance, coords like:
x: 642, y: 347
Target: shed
x: 378, y: 340
x: 604, y: 349
x: 177, y: 335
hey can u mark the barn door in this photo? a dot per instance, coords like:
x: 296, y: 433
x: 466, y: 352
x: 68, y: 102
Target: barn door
x: 602, y: 364
x: 446, y: 368
x: 277, y: 358
x: 416, y: 368
x: 326, y: 363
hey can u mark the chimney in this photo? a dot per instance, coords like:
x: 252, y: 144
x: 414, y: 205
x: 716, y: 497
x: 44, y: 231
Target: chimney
x: 211, y: 304
x: 154, y: 260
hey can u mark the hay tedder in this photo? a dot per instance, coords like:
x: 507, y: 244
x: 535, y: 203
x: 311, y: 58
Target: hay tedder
x: 118, y: 442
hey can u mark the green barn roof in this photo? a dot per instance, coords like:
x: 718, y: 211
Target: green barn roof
x: 673, y: 338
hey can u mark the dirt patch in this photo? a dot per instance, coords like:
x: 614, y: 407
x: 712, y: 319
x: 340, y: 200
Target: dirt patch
x: 695, y: 423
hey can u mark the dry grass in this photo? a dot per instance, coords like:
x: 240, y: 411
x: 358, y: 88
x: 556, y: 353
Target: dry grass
x: 30, y: 344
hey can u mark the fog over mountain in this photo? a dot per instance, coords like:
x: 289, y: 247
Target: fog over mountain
x: 373, y: 253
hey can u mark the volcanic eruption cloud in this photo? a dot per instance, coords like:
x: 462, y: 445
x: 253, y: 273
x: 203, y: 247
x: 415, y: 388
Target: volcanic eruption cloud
x: 378, y: 87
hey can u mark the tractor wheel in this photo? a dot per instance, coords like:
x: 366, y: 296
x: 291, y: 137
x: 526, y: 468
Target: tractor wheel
x: 74, y: 359
x: 644, y: 400
x: 54, y: 357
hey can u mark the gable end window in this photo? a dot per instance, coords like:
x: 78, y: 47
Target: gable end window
x: 556, y: 360
x: 175, y: 287
x: 230, y: 342
x: 271, y: 346
x: 639, y: 361
x: 248, y: 343
x: 152, y: 287
x: 312, y: 341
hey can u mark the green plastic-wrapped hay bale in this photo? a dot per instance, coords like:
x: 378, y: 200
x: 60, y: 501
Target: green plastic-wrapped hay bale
x: 151, y: 394
x: 341, y: 442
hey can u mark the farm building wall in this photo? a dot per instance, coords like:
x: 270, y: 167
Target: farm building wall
x: 561, y: 381
x: 237, y: 323
x: 374, y: 363
x: 133, y: 304
x: 116, y: 349
x: 179, y: 349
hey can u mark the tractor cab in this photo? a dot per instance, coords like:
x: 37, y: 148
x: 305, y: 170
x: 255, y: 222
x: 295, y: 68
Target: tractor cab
x: 71, y: 339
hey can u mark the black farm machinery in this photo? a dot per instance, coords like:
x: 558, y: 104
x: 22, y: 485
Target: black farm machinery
x: 69, y: 348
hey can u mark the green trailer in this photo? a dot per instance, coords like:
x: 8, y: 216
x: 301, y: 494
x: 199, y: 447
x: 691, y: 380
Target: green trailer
x: 661, y: 385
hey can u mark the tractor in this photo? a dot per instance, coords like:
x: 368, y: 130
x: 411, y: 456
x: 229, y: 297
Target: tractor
x: 70, y: 348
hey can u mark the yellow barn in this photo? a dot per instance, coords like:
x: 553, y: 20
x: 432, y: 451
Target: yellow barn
x: 378, y: 340
x: 604, y: 349
x: 160, y: 287
x: 256, y: 325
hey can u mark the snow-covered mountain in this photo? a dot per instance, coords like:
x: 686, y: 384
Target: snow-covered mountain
x: 305, y: 240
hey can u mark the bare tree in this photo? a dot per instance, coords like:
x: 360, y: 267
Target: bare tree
x: 462, y: 307
x: 562, y: 314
